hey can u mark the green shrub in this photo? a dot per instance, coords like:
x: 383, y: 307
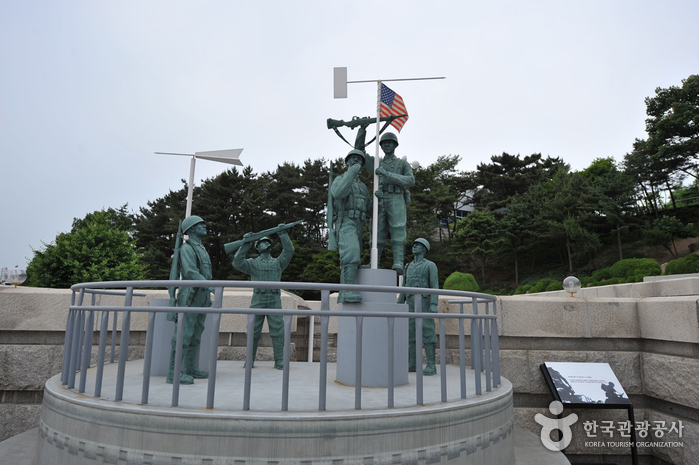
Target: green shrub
x: 601, y: 275
x: 523, y: 289
x: 685, y: 265
x: 461, y: 282
x: 546, y: 284
x: 634, y: 269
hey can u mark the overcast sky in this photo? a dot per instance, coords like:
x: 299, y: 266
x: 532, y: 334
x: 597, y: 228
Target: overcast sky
x: 90, y: 89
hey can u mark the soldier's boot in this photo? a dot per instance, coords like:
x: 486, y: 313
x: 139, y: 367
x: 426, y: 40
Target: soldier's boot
x: 349, y: 272
x: 411, y: 358
x: 184, y: 378
x: 398, y: 253
x: 255, y: 343
x: 189, y: 363
x: 278, y: 346
x: 431, y: 368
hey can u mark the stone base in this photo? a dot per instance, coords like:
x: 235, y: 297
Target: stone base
x: 77, y: 429
x: 375, y: 358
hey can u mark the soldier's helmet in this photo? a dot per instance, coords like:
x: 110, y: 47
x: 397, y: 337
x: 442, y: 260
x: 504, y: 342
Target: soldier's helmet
x: 388, y: 136
x: 423, y: 242
x: 356, y: 152
x: 259, y: 241
x: 190, y: 221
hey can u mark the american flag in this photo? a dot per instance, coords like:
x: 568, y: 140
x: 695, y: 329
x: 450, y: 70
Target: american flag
x: 392, y: 105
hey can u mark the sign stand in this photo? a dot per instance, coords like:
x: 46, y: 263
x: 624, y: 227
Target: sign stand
x: 589, y: 386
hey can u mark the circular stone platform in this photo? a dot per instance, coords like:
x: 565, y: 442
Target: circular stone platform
x: 78, y: 429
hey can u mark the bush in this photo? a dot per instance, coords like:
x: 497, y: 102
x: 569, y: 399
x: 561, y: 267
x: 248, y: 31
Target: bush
x: 523, y: 289
x: 461, y: 282
x: 686, y: 265
x: 601, y: 275
x: 545, y: 285
x: 634, y: 269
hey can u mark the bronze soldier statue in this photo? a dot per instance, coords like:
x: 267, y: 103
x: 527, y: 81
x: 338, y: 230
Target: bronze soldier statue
x: 267, y: 268
x: 421, y: 273
x: 352, y: 206
x: 194, y: 264
x: 395, y: 178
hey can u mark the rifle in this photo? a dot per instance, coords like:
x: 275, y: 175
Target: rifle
x: 175, y: 269
x: 231, y: 247
x: 332, y: 238
x: 357, y: 121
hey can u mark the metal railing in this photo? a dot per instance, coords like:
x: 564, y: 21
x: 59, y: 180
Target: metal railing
x: 80, y: 326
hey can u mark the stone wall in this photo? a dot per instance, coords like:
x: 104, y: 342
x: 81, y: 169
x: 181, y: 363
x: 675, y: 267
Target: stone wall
x: 648, y: 332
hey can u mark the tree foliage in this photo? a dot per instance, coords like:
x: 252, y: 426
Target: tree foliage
x: 98, y: 248
x: 673, y: 132
x: 509, y: 175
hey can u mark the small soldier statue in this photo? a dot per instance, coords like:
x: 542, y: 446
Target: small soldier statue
x: 421, y: 273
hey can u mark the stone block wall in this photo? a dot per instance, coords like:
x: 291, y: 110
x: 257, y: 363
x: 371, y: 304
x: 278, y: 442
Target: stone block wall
x: 648, y: 333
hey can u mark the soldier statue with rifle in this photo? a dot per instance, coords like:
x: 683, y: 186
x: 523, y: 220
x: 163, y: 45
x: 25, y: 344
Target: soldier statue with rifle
x: 265, y: 268
x: 349, y: 203
x: 193, y: 262
x: 395, y: 178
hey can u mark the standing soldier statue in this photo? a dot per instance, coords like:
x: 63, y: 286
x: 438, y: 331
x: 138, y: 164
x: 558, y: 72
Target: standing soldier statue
x: 194, y: 263
x: 266, y: 268
x: 395, y: 177
x: 421, y: 273
x: 352, y: 204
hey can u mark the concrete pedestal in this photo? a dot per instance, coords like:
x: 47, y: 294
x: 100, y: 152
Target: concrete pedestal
x: 374, y: 335
x: 162, y: 335
x: 77, y: 429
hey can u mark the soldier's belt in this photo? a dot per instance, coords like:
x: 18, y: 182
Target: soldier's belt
x: 267, y: 291
x: 355, y: 215
x: 392, y: 188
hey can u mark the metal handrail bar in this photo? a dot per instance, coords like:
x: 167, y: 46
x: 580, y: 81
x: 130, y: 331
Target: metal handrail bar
x: 285, y: 285
x: 79, y: 335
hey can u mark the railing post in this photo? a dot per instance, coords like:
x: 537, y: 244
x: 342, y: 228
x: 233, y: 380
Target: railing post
x: 475, y: 351
x: 114, y: 333
x: 324, y: 320
x: 496, y: 348
x: 391, y: 325
x: 178, y: 359
x: 474, y: 306
x: 213, y: 354
x: 486, y: 338
x: 81, y: 340
x: 287, y: 356
x: 462, y: 352
x: 442, y: 359
x: 124, y: 345
x: 104, y: 329
x: 418, y: 349
x: 68, y: 341
x: 148, y: 357
x: 87, y: 348
x: 75, y: 342
x: 358, y: 364
x: 311, y: 337
x: 248, y: 362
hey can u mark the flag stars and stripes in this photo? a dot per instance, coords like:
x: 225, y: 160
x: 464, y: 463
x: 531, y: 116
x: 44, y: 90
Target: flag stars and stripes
x: 392, y: 105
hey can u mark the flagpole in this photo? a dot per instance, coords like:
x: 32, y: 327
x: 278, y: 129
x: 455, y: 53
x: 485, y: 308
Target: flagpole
x: 375, y: 211
x: 340, y: 91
